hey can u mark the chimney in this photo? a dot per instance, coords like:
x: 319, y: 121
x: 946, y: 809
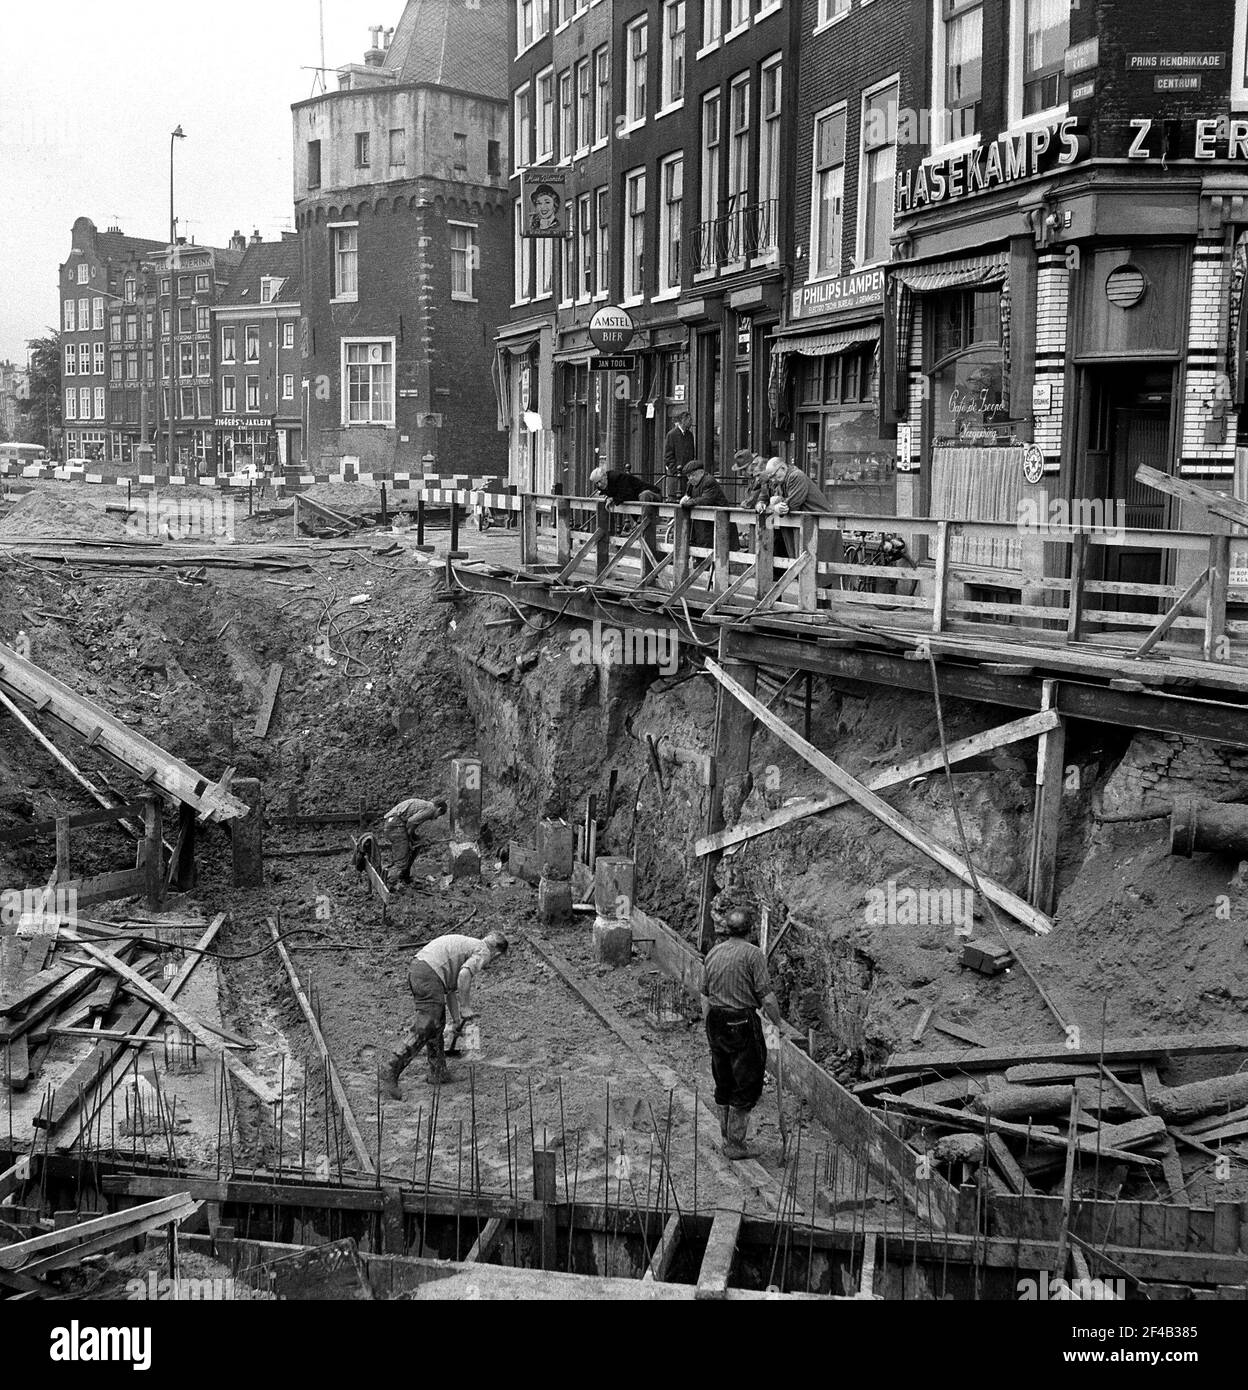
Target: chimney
x: 255, y: 237
x: 238, y: 242
x: 376, y: 54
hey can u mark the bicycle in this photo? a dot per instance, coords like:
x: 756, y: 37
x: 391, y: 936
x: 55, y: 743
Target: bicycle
x: 885, y: 549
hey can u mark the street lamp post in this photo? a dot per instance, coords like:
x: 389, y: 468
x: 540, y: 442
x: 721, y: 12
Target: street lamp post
x: 177, y: 134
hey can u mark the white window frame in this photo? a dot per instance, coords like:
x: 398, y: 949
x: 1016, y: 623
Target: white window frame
x: 602, y: 241
x: 252, y: 401
x: 366, y: 341
x: 540, y: 12
x: 671, y: 57
x: 543, y: 267
x: 521, y: 128
x: 770, y: 165
x: 229, y: 394
x: 565, y: 88
x: 737, y: 26
x: 69, y: 316
x: 818, y: 272
x: 130, y: 289
x: 288, y: 386
x: 868, y: 92
x: 228, y: 334
x: 712, y: 26
x: 831, y: 12
x: 251, y: 335
x: 545, y: 146
x: 944, y: 147
x: 97, y: 359
x: 71, y: 359
x: 567, y: 269
x: 1239, y: 57
x: 84, y: 273
x: 468, y: 296
x: 339, y: 296
x: 84, y: 402
x: 668, y: 286
x: 98, y: 402
x: 1014, y: 108
x: 363, y: 145
x: 97, y: 313
x: 584, y: 248
x: 203, y: 358
x: 634, y: 281
x: 203, y: 318
x: 84, y: 314
x: 583, y: 103
x: 522, y: 259
x: 602, y: 95
x: 635, y: 65
x: 71, y: 403
x: 288, y: 336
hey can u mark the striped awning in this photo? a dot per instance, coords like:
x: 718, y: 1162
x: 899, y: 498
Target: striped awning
x: 973, y: 270
x: 829, y: 344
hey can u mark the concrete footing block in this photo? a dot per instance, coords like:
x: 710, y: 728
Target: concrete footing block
x: 554, y: 901
x: 555, y: 848
x: 463, y: 861
x: 613, y: 941
x: 522, y: 861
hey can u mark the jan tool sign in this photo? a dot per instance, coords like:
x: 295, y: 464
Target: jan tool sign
x: 541, y: 197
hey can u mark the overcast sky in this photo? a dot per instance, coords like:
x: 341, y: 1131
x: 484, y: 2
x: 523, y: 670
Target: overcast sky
x: 89, y: 92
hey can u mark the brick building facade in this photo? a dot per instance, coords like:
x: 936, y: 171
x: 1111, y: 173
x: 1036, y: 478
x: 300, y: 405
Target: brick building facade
x: 405, y: 244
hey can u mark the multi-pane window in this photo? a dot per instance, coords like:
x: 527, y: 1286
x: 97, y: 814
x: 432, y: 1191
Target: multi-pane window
x: 186, y: 395
x: 84, y: 314
x: 532, y: 21
x: 84, y: 273
x: 635, y: 71
x: 567, y: 116
x: 544, y: 250
x: 186, y: 359
x: 362, y: 149
x: 252, y: 349
x: 185, y: 283
x: 522, y: 129
x: 878, y: 166
x: 671, y: 181
x: 738, y: 165
x: 769, y: 158
x: 130, y: 289
x: 228, y: 348
x: 288, y: 386
x: 132, y: 328
x: 114, y: 366
x: 97, y: 358
x: 1046, y: 36
x: 99, y: 402
x: 832, y: 9
x: 368, y: 383
x: 253, y: 393
x: 712, y: 21
x: 70, y: 320
x: 584, y: 107
x: 84, y: 402
x: 545, y: 116
x: 203, y: 402
x: 132, y: 366
x: 963, y: 31
x: 186, y: 320
x: 97, y: 312
x: 166, y: 324
x: 114, y: 329
x: 739, y: 13
x: 149, y: 360
x: 229, y: 399
x: 288, y: 335
x: 203, y: 359
x: 523, y: 257
x: 71, y: 359
x: 569, y: 254
x: 634, y: 233
x: 398, y: 147
x: 346, y: 251
x: 203, y: 320
x: 164, y: 360
x: 709, y: 190
x: 672, y: 73
x: 202, y: 283
x: 602, y: 94
x: 602, y: 242
x: 584, y: 245
x: 463, y: 260
x: 71, y: 403
x: 828, y: 202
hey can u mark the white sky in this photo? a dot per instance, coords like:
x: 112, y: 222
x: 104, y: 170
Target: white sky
x: 89, y: 92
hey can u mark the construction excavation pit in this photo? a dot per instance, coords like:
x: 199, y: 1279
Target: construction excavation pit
x: 982, y: 915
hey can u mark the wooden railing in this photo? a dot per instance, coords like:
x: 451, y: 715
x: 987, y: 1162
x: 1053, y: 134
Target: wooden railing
x: 809, y: 564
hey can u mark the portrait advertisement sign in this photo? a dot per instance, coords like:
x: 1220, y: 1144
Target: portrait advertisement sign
x: 541, y: 197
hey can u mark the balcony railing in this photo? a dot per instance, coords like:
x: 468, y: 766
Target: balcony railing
x: 739, y: 235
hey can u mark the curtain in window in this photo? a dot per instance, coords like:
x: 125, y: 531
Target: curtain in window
x: 1235, y: 337
x: 501, y: 375
x: 979, y: 485
x: 964, y: 37
x: 1006, y: 311
x: 778, y: 390
x: 1044, y: 17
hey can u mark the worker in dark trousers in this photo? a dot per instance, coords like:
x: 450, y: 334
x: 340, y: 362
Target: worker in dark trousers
x: 441, y: 978
x: 678, y: 448
x: 401, y: 823
x: 734, y: 987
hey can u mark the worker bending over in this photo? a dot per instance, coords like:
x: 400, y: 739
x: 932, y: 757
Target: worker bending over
x: 441, y: 978
x: 734, y: 987
x: 401, y: 823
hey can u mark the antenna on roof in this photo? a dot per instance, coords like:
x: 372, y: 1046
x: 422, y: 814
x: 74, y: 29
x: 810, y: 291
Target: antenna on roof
x: 319, y: 79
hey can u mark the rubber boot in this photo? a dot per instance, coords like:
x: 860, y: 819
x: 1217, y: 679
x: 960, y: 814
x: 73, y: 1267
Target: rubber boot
x: 389, y: 1077
x: 738, y: 1128
x: 438, y: 1075
x: 723, y: 1121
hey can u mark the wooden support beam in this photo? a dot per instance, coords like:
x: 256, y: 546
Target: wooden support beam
x: 268, y: 697
x: 13, y: 1179
x: 362, y: 1155
x: 1047, y: 813
x: 996, y: 1057
x: 118, y: 739
x: 721, y: 1251
x: 1078, y: 593
x: 896, y: 775
x: 25, y: 1254
x: 1172, y: 613
x: 544, y: 1191
x: 206, y: 1039
x: 940, y: 594
x: 664, y: 1253
x: 731, y: 591
x: 910, y: 832
x: 1215, y: 602
x: 1228, y: 508
x: 487, y: 1242
x: 570, y: 568
x: 772, y: 596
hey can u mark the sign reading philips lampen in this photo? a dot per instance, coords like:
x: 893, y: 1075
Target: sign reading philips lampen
x: 1010, y: 159
x: 860, y: 291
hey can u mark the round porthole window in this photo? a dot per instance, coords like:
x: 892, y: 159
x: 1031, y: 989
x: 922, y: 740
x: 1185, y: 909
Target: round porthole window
x: 1125, y: 287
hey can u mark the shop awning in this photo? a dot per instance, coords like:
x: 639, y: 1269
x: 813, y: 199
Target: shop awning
x: 521, y: 347
x: 952, y: 275
x: 828, y: 344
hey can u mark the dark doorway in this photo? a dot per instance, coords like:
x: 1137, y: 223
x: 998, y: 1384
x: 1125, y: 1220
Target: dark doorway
x: 1128, y: 421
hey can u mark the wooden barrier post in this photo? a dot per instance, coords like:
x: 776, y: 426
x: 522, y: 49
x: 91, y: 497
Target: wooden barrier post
x: 722, y: 545
x: 808, y: 580
x: 528, y: 529
x: 940, y: 596
x: 602, y: 522
x: 150, y: 856
x: 63, y: 874
x: 1078, y: 573
x: 420, y: 518
x: 563, y: 531
x: 546, y: 1192
x: 764, y: 555
x: 680, y: 547
x: 1046, y: 821
x: 1215, y: 601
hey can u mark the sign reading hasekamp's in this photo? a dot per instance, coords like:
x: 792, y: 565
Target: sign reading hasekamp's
x: 860, y: 291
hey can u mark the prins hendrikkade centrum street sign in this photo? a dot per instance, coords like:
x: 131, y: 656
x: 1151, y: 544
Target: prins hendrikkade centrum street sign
x: 611, y: 329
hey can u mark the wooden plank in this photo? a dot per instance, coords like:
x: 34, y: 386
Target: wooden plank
x: 1172, y: 1171
x: 24, y: 992
x: 1047, y: 1073
x: 13, y: 1179
x: 61, y: 994
x: 118, y: 739
x: 17, y: 1069
x: 954, y: 1030
x: 1047, y: 813
x: 339, y: 1090
x: 1145, y: 1047
x: 206, y: 1039
x: 65, y: 1259
x: 896, y: 775
x: 1229, y: 508
x: 721, y: 1251
x: 1167, y: 621
x: 1007, y: 1166
x: 487, y: 1242
x: 268, y: 697
x: 997, y: 893
x: 22, y: 1253
x: 664, y: 1253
